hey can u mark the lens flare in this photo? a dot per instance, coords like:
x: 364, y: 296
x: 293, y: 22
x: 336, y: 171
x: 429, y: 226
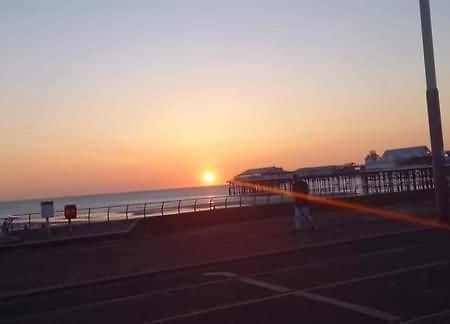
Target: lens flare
x: 382, y: 213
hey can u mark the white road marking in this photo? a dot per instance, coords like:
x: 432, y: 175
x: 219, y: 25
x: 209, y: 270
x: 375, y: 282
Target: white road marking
x: 427, y: 317
x: 339, y: 260
x: 230, y: 276
x: 222, y: 274
x: 227, y: 275
x: 280, y: 295
x: 354, y: 307
x: 263, y: 284
x: 250, y: 281
x: 332, y: 301
x: 117, y: 300
x: 380, y: 275
x: 218, y: 308
x: 336, y: 302
x: 29, y: 292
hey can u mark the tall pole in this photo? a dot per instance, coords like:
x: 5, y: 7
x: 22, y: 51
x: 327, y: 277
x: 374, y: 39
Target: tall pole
x: 434, y: 115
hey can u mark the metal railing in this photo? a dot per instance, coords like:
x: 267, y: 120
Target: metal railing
x: 88, y: 215
x: 376, y: 183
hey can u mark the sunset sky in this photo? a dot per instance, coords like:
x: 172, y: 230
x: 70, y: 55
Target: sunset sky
x: 110, y: 96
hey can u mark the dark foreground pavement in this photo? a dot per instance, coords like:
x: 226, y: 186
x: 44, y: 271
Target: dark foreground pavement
x: 398, y: 277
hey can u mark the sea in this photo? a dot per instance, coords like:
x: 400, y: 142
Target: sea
x: 102, y: 200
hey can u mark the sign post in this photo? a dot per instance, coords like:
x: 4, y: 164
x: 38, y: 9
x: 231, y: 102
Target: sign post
x: 434, y: 115
x: 47, y: 212
x: 70, y: 212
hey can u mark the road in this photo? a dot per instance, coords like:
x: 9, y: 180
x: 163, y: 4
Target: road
x: 399, y: 278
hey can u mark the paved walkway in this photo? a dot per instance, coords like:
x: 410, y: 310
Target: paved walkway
x: 71, y: 264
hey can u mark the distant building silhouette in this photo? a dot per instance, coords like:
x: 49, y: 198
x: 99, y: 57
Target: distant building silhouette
x: 274, y: 177
x: 396, y: 170
x: 399, y: 157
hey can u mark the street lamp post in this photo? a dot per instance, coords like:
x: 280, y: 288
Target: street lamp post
x: 434, y: 115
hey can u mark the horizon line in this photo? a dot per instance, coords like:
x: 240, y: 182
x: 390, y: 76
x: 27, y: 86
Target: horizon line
x: 110, y: 193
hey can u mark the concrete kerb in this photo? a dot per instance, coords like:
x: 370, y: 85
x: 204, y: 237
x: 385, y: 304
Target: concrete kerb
x: 190, y: 266
x: 73, y: 239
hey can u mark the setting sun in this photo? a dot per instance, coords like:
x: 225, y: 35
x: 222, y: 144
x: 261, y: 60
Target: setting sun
x: 208, y: 177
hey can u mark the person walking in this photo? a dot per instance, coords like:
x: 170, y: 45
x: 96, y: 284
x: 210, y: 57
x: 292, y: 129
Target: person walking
x: 302, y: 213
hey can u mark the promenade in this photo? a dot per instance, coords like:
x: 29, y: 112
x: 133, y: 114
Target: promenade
x: 354, y: 269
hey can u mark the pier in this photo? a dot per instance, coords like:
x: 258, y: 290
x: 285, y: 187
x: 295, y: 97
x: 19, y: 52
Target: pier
x: 397, y: 171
